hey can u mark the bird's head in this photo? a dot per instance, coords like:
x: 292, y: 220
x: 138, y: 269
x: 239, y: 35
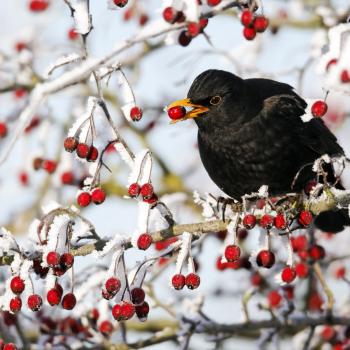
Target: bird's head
x: 216, y: 99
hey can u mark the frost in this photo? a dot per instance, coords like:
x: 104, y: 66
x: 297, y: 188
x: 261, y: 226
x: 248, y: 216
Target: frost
x: 192, y: 11
x: 138, y: 168
x: 62, y: 61
x: 115, y: 243
x: 127, y: 95
x: 317, y: 166
x: 142, y: 221
x: 184, y: 251
x: 92, y: 282
x: 208, y: 204
x: 50, y: 206
x: 82, y: 17
x: 308, y: 115
x: 8, y: 243
x: 125, y: 155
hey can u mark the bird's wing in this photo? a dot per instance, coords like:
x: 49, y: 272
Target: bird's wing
x: 313, y: 134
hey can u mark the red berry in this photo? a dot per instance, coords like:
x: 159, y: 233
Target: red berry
x: 67, y: 260
x: 192, y: 281
x: 213, y: 2
x: 67, y: 178
x: 53, y: 297
x: 120, y: 3
x: 232, y: 252
x: 317, y: 252
x: 53, y: 259
x: 143, y: 19
x: 305, y: 218
x: 117, y: 312
x: 38, y: 5
x: 34, y: 302
x: 265, y: 258
x: 106, y: 328
x: 280, y: 222
x: 19, y: 93
x: 302, y: 270
x: 260, y: 24
x: 106, y: 295
x: 266, y: 221
x: 70, y: 144
x: 319, y: 109
x: 178, y: 281
x: 49, y: 165
x: 83, y: 150
x: 136, y: 114
x: 170, y: 15
x: 328, y: 333
x: 249, y: 33
x: 299, y: 243
x: 221, y: 265
x: 331, y: 62
x: 127, y: 310
x: 59, y: 289
x: 9, y: 346
x: 3, y: 130
x: 23, y: 178
x: 242, y: 234
x: 176, y: 112
x: 144, y: 241
x: 134, y: 190
x: 112, y: 285
x: 17, y: 285
x: 249, y: 221
x: 69, y: 301
x: 59, y: 270
x: 146, y: 191
x: 98, y: 196
x: 340, y: 272
x: 137, y: 296
x: 184, y: 39
x: 288, y: 274
x: 345, y: 76
x: 193, y: 29
x: 94, y: 314
x: 247, y: 18
x: 20, y: 45
x: 93, y: 154
x: 84, y: 199
x: 142, y: 311
x: 274, y: 298
x: 256, y: 279
x: 203, y: 22
x: 15, y: 304
x: 72, y: 34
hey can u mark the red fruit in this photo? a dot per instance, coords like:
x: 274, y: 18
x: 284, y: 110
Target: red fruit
x: 84, y: 199
x: 94, y: 314
x: 9, y: 346
x: 260, y: 24
x: 266, y: 221
x: 146, y: 191
x: 106, y: 328
x: 23, y: 178
x: 331, y: 62
x: 221, y: 265
x: 247, y: 18
x: 3, y: 130
x: 178, y: 281
x: 83, y: 150
x: 288, y: 274
x: 136, y: 114
x: 112, y: 285
x: 53, y: 259
x: 242, y: 234
x: 299, y: 243
x: 143, y: 19
x: 67, y: 178
x: 249, y: 221
x: 315, y: 302
x: 120, y: 3
x: 137, y: 296
x: 117, y: 312
x: 67, y: 260
x: 106, y: 295
x: 280, y: 222
x: 249, y: 33
x: 98, y: 196
x: 20, y: 45
x: 93, y: 154
x: 17, y: 285
x: 213, y: 2
x: 288, y: 292
x: 134, y: 190
x: 302, y: 270
x: 232, y: 252
x: 59, y: 270
x: 192, y: 281
x: 38, y: 269
x: 176, y: 112
x: 345, y: 76
x: 317, y: 252
x: 319, y: 109
x: 193, y: 29
x: 34, y: 302
x: 340, y: 272
x: 256, y: 279
x: 303, y: 254
x: 70, y: 144
x: 184, y: 39
x: 19, y: 93
x: 127, y: 310
x: 328, y: 333
x: 69, y: 301
x: 72, y: 34
x: 53, y: 297
x: 144, y: 241
x: 274, y: 298
x: 38, y: 5
x: 265, y: 258
x: 15, y: 304
x: 305, y: 218
x: 203, y: 22
x: 170, y: 15
x: 49, y: 165
x: 142, y: 311
x: 59, y: 289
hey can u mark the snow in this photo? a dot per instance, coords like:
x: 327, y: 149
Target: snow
x: 61, y: 61
x: 82, y: 17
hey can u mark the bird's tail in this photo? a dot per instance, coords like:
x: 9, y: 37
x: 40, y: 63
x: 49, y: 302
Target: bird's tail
x: 333, y: 221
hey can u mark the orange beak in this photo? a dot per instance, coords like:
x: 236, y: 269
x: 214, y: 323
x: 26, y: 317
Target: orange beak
x: 193, y: 113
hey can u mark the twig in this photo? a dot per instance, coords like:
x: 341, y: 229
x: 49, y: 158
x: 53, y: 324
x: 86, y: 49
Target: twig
x: 328, y: 292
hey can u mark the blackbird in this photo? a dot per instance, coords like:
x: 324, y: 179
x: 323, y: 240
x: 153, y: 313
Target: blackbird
x: 250, y: 133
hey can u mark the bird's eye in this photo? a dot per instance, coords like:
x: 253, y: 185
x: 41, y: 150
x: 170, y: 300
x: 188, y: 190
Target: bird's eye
x: 215, y: 100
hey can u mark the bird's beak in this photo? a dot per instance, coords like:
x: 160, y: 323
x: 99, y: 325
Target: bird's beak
x: 193, y: 113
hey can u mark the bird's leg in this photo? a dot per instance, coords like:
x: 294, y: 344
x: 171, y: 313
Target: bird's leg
x: 224, y: 201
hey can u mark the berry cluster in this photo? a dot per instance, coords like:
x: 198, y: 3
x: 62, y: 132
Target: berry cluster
x: 96, y: 195
x: 253, y: 24
x: 344, y: 74
x: 48, y: 165
x: 191, y: 280
x: 146, y: 191
x: 83, y: 150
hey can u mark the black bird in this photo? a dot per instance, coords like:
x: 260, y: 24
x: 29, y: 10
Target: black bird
x: 250, y: 133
